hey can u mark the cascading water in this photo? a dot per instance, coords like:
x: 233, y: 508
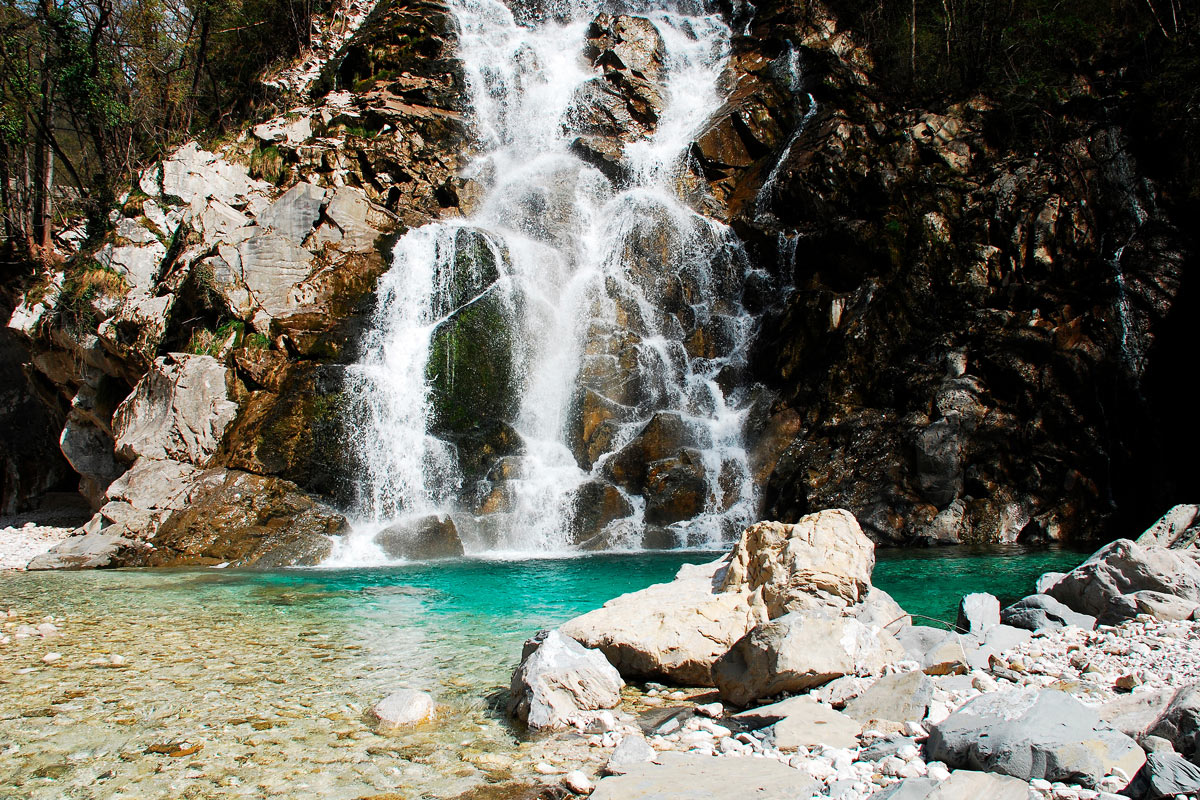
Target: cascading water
x: 559, y: 369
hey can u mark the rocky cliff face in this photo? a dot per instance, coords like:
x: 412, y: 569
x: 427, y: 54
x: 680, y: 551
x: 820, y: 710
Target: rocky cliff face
x: 964, y: 335
x: 975, y: 322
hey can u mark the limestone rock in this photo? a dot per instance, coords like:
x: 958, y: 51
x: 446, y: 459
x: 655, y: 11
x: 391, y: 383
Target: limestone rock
x: 557, y: 679
x: 432, y: 536
x: 596, y: 504
x: 179, y: 410
x: 1135, y: 713
x: 707, y: 778
x: 1028, y: 733
x: 1123, y: 567
x: 797, y: 652
x: 961, y: 785
x: 403, y: 709
x: 89, y: 551
x: 295, y: 212
x: 88, y: 448
x: 673, y: 630
x: 824, y: 557
x: 1156, y: 604
x: 1180, y: 722
x: 880, y: 610
x: 1178, y: 529
x: 977, y: 613
x: 629, y: 752
x: 900, y: 697
x: 1038, y: 611
x: 938, y: 652
x: 803, y: 722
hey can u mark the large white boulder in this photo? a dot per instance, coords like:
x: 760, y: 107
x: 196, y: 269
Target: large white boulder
x: 1123, y: 567
x: 558, y: 679
x: 179, y: 410
x: 824, y: 559
x: 797, y: 652
x: 673, y: 630
x: 678, y: 630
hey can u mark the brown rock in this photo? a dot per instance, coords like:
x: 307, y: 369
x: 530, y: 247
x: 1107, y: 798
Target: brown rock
x: 429, y: 537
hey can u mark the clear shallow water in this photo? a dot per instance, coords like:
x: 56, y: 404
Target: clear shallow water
x: 271, y: 672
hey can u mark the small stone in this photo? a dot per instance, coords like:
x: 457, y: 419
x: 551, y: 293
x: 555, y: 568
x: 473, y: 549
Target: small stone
x: 403, y: 708
x: 542, y: 768
x: 713, y: 710
x: 577, y: 782
x: 50, y: 658
x: 1127, y: 682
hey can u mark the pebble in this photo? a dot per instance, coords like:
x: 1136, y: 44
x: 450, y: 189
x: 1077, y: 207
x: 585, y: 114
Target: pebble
x: 50, y: 658
x: 577, y: 782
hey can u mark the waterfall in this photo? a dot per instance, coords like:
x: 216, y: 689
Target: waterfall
x: 559, y: 369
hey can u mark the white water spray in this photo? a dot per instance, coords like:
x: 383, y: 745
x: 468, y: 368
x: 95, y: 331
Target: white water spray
x: 573, y: 289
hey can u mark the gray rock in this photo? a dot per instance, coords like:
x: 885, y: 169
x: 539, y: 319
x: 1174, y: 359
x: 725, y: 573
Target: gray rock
x: 1133, y: 714
x: 1047, y: 579
x: 706, y: 778
x: 402, y: 709
x: 90, y: 551
x: 879, y: 610
x: 977, y: 613
x: 179, y: 411
x: 1165, y: 776
x: 899, y: 697
x: 560, y: 678
x: 357, y: 221
x: 907, y: 789
x: 797, y: 652
x: 432, y: 536
x: 294, y: 212
x: 1156, y: 604
x: 807, y: 723
x: 269, y: 266
x: 969, y: 785
x: 89, y: 450
x: 1041, y: 611
x: 629, y: 752
x: 139, y: 264
x: 886, y: 747
x: 1178, y: 529
x: 1180, y: 722
x: 1027, y: 733
x: 662, y: 721
x: 938, y: 652
x: 1123, y: 567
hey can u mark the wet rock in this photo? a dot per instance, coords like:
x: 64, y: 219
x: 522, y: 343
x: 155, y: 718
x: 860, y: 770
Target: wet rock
x: 899, y: 697
x: 596, y: 504
x: 1180, y: 722
x: 822, y: 560
x: 594, y: 427
x: 676, y: 489
x: 664, y: 436
x: 708, y: 778
x: 402, y: 709
x: 244, y: 520
x: 179, y: 410
x: 977, y: 613
x: 796, y: 652
x: 673, y: 630
x: 1041, y: 611
x: 1028, y: 733
x: 558, y: 678
x: 433, y: 536
x: 1124, y: 567
x: 470, y: 367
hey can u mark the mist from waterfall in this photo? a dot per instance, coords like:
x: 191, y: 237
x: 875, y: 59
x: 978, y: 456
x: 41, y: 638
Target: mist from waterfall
x: 582, y: 297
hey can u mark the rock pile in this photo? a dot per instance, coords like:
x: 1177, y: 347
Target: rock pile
x: 1060, y: 707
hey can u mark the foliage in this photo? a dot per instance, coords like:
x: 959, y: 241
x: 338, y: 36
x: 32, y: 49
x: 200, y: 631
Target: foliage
x: 83, y: 285
x: 210, y: 343
x: 256, y: 341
